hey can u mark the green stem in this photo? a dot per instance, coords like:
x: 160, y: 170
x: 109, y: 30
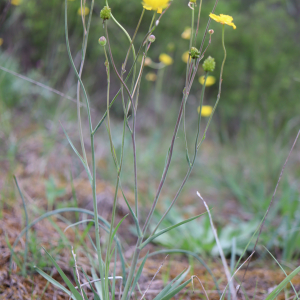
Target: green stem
x: 97, y: 232
x: 220, y: 86
x: 84, y: 46
x: 191, y: 164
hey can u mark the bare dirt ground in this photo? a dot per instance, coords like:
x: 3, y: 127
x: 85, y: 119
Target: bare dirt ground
x: 32, y: 167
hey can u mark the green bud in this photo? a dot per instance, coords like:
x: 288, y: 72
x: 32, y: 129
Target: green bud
x: 194, y: 53
x: 151, y: 38
x: 102, y: 41
x: 193, y: 1
x: 105, y: 13
x: 209, y: 64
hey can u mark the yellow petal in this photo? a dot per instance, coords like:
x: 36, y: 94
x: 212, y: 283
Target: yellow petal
x: 223, y: 19
x: 205, y: 111
x: 187, y: 33
x: 1, y: 41
x: 165, y: 59
x: 185, y: 56
x: 86, y: 11
x: 16, y: 2
x: 209, y: 81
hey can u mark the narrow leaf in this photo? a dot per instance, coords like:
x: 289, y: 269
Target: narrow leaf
x: 139, y: 233
x: 64, y: 277
x: 139, y: 273
x: 79, y: 156
x: 283, y: 283
x: 151, y: 238
x: 177, y: 290
x: 55, y: 283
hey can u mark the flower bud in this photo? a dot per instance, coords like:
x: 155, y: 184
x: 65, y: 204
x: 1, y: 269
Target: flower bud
x: 151, y: 38
x: 193, y: 1
x: 194, y: 53
x: 209, y: 64
x: 210, y: 31
x: 102, y: 41
x: 105, y: 13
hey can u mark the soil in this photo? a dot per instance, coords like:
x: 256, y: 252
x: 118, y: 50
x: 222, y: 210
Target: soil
x: 33, y: 167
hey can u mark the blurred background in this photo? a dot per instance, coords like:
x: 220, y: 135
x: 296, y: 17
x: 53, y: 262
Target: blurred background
x: 252, y: 131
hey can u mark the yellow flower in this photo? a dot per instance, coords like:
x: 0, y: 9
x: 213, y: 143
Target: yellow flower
x: 16, y: 2
x: 209, y: 81
x: 148, y: 61
x: 86, y: 11
x: 187, y: 33
x: 151, y: 76
x: 1, y: 41
x: 206, y: 110
x: 157, y: 5
x: 165, y: 59
x: 223, y: 19
x: 185, y: 56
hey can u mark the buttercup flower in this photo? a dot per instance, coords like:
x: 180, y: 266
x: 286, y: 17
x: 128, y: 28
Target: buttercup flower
x: 86, y: 11
x: 165, y: 59
x: 16, y: 2
x: 206, y: 110
x: 157, y: 5
x: 187, y: 33
x: 150, y: 76
x: 223, y: 19
x: 209, y: 81
x: 185, y: 56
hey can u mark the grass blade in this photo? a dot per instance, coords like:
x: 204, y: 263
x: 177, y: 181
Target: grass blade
x: 283, y: 283
x: 151, y: 238
x: 195, y: 256
x: 79, y: 156
x: 26, y: 224
x: 64, y: 277
x: 57, y: 284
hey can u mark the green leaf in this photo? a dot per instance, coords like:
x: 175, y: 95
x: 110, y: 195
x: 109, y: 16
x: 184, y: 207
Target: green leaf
x: 176, y: 291
x: 195, y: 256
x: 57, y: 284
x: 79, y: 156
x: 283, y: 283
x: 64, y: 277
x: 151, y: 238
x: 96, y: 296
x: 138, y: 229
x: 117, y: 227
x: 169, y: 286
x: 282, y: 271
x: 138, y: 273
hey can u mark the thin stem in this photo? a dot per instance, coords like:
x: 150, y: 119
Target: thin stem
x: 198, y: 21
x: 84, y: 46
x: 207, y: 26
x: 74, y: 67
x: 95, y: 206
x: 188, y: 67
x: 165, y: 172
x: 191, y: 165
x: 220, y: 85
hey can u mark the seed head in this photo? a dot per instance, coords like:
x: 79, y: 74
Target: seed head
x: 194, y: 53
x: 209, y: 64
x: 105, y: 13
